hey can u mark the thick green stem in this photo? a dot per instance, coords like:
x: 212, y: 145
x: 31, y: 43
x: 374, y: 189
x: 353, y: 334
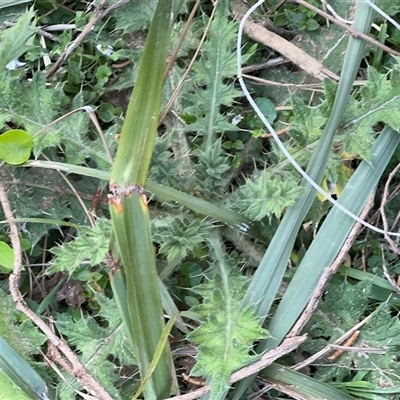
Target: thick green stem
x: 128, y: 206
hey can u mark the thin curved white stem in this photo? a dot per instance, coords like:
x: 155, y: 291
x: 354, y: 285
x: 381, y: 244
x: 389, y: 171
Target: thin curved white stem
x: 276, y: 137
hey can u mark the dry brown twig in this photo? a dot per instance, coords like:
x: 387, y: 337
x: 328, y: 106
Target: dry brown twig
x: 329, y: 347
x: 349, y: 29
x: 329, y: 271
x: 99, y: 14
x: 392, y: 244
x: 326, y: 275
x: 262, y: 35
x: 385, y: 200
x: 258, y: 32
x: 73, y: 365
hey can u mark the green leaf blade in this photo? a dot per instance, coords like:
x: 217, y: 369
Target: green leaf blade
x: 15, y: 41
x: 6, y: 257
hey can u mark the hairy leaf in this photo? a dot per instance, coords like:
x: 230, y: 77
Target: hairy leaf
x: 87, y: 250
x: 267, y: 195
x: 24, y: 338
x: 179, y: 236
x: 227, y: 335
x: 212, y: 90
x: 342, y: 308
x: 99, y: 343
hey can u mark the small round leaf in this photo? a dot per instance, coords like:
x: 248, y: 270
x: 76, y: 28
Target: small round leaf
x: 15, y: 146
x: 6, y: 257
x: 25, y: 244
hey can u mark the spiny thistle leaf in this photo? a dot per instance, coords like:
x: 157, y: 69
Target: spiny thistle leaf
x: 179, y: 236
x: 306, y: 124
x: 267, y: 195
x: 32, y: 105
x: 228, y: 333
x: 166, y: 168
x: 79, y: 147
x: 24, y: 338
x: 98, y: 344
x: 382, y: 331
x: 135, y: 15
x: 210, y: 169
x: 341, y: 309
x: 88, y: 249
x: 218, y: 62
x: 379, y: 101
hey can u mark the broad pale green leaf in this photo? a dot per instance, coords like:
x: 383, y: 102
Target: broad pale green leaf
x: 9, y: 3
x: 18, y: 370
x: 267, y: 107
x: 9, y: 390
x: 16, y: 40
x: 6, y: 257
x: 130, y: 219
x: 303, y: 386
x: 15, y: 146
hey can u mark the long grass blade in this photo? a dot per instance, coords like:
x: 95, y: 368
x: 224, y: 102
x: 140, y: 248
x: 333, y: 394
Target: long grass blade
x: 161, y: 344
x: 300, y: 386
x: 324, y: 248
x: 21, y: 373
x: 199, y: 206
x: 267, y: 279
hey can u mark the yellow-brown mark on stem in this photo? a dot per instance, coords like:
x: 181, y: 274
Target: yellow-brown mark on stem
x: 117, y: 194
